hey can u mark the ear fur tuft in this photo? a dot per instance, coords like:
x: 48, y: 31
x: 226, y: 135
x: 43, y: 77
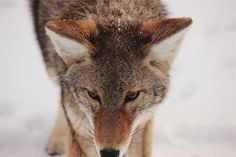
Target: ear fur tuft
x: 71, y: 38
x: 165, y: 36
x: 76, y: 29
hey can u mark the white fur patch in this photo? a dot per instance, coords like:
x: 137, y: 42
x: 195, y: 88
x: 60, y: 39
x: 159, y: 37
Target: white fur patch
x: 66, y: 48
x: 143, y: 117
x: 79, y: 122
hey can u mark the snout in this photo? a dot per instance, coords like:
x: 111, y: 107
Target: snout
x: 112, y: 132
x: 109, y: 153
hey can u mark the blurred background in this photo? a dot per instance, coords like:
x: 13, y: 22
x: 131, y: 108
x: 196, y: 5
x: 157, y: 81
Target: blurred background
x: 197, y: 119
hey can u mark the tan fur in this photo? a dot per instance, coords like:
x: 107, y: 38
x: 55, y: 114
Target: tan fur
x: 56, y: 144
x: 141, y: 144
x: 119, y: 135
x: 76, y: 144
x: 75, y: 29
x: 100, y: 52
x: 147, y: 139
x: 72, y: 146
x: 160, y: 30
x: 109, y: 121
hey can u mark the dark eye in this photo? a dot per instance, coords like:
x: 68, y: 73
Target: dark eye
x: 132, y: 96
x: 94, y: 96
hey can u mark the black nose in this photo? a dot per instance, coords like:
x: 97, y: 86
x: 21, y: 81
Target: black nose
x: 109, y: 153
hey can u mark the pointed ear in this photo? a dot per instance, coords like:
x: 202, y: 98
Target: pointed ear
x: 165, y: 37
x: 71, y: 38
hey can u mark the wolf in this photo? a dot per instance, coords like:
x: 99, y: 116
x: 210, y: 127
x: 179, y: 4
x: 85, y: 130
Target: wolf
x: 111, y: 59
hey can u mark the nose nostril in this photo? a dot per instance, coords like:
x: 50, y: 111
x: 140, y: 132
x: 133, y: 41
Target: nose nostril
x: 109, y: 153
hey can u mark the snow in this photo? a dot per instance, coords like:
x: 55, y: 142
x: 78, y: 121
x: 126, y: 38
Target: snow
x: 197, y: 119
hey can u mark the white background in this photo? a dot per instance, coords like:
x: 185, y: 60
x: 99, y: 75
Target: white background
x: 197, y: 119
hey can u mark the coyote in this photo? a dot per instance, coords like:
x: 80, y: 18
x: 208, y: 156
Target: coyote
x: 111, y: 59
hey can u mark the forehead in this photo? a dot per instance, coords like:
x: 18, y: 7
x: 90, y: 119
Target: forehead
x: 118, y: 38
x: 118, y: 55
x: 117, y: 64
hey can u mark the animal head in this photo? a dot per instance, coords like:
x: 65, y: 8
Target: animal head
x: 117, y: 73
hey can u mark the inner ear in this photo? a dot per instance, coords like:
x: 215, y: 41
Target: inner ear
x: 164, y: 37
x: 72, y: 38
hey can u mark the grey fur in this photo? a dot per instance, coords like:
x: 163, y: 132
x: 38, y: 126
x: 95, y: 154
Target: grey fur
x: 102, y: 11
x: 118, y: 65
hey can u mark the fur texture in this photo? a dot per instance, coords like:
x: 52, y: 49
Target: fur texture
x: 100, y: 52
x: 104, y: 11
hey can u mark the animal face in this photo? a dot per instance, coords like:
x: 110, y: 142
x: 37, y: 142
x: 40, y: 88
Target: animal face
x: 117, y: 74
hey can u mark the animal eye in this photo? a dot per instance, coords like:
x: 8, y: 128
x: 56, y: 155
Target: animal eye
x: 132, y: 96
x: 94, y: 96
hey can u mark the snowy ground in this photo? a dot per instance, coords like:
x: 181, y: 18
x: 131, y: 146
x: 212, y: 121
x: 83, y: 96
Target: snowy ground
x: 198, y: 118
